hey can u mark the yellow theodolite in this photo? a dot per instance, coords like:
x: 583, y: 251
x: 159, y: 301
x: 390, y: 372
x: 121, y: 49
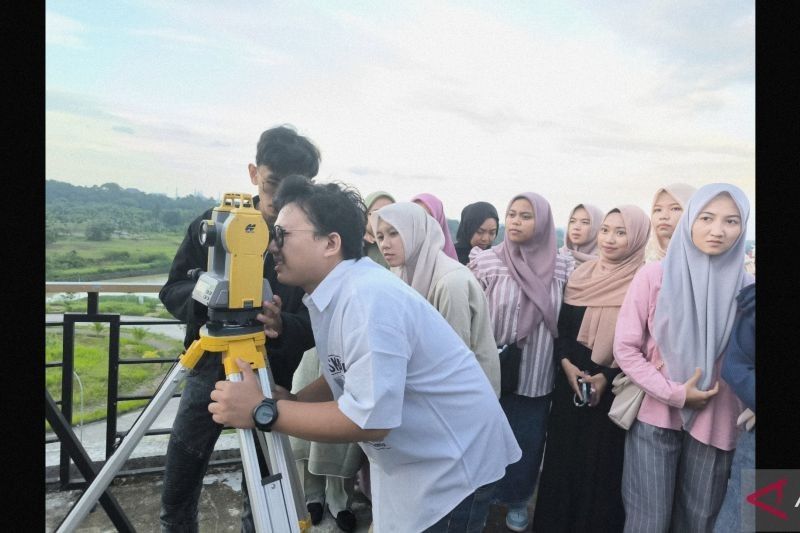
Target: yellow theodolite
x: 232, y: 288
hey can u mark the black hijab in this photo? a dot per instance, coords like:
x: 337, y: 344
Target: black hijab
x: 472, y: 216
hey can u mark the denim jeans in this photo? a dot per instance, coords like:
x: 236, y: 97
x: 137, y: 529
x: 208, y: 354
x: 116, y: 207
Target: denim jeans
x: 470, y: 515
x: 191, y: 443
x: 731, y: 517
x: 528, y: 420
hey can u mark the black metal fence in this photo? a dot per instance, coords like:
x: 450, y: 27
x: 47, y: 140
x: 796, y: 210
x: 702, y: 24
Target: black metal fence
x: 70, y: 448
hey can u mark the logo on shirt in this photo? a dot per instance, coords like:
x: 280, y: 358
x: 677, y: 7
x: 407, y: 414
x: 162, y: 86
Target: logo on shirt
x: 378, y: 445
x: 336, y: 365
x: 336, y: 369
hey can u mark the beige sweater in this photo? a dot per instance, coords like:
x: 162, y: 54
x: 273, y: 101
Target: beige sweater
x: 459, y: 298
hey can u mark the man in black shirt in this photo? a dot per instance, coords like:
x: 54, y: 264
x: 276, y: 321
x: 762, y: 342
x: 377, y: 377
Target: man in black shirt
x: 280, y: 152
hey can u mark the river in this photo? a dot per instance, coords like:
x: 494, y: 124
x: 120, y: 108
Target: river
x: 151, y: 278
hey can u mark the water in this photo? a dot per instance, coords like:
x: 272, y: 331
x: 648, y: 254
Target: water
x: 160, y: 279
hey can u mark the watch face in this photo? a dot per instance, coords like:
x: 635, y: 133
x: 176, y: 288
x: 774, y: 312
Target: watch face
x: 264, y: 414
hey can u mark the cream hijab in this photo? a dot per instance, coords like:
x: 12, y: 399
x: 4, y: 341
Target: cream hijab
x: 681, y: 192
x: 601, y: 285
x: 588, y: 250
x: 697, y: 302
x: 423, y: 240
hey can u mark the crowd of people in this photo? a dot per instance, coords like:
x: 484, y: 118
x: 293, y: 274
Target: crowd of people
x: 441, y: 377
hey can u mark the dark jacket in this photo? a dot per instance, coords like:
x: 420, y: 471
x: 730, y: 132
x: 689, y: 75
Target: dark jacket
x: 283, y: 353
x: 739, y: 366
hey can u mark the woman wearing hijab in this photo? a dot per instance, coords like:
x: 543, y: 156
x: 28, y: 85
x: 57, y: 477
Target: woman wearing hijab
x: 580, y: 239
x: 523, y: 278
x: 411, y: 242
x: 374, y: 202
x: 582, y: 471
x: 668, y: 205
x: 478, y: 227
x: 679, y: 312
x: 433, y: 206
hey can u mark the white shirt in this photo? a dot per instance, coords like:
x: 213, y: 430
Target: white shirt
x: 393, y: 362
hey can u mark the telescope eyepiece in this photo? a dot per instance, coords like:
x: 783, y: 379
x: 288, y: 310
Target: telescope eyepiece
x: 208, y: 233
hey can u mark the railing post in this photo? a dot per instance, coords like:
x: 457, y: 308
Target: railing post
x: 68, y: 364
x: 92, y: 303
x: 113, y: 383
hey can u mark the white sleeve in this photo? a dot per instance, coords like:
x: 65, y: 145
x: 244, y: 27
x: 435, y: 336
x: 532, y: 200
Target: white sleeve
x: 376, y: 359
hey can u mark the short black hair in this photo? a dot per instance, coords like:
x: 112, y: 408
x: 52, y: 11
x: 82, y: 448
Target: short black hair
x: 330, y: 207
x: 285, y: 152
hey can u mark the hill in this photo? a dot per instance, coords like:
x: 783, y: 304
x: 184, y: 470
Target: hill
x: 108, y: 209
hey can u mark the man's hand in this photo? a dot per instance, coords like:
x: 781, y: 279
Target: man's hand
x: 232, y: 402
x: 696, y: 398
x: 271, y: 317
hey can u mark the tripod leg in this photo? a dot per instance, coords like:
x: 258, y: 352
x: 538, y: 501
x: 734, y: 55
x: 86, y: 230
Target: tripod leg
x: 117, y: 460
x: 281, y: 458
x: 271, y: 510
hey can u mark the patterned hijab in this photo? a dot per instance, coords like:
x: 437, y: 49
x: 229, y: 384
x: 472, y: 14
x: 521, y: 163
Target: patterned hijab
x: 601, y: 284
x: 532, y: 265
x: 437, y: 212
x: 425, y: 262
x: 697, y: 303
x: 681, y: 192
x: 588, y: 250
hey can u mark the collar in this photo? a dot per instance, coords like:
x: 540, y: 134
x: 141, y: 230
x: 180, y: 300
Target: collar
x: 329, y: 285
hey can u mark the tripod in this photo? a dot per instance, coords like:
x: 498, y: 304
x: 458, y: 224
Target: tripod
x: 277, y: 501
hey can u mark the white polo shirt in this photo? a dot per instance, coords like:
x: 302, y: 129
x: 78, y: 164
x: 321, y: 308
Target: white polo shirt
x: 393, y: 362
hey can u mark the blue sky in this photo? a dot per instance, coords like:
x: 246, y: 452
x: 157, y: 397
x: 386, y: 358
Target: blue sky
x: 597, y: 102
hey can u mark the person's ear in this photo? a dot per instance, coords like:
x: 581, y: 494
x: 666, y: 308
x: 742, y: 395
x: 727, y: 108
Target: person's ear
x: 251, y: 168
x: 333, y: 246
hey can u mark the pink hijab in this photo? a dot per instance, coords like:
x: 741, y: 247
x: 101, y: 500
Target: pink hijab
x: 437, y: 212
x: 532, y: 265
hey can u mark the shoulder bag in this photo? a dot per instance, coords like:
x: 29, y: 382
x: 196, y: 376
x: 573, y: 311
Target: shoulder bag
x: 628, y: 398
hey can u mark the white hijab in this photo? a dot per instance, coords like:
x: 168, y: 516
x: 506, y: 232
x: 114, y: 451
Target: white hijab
x: 423, y: 243
x: 697, y: 302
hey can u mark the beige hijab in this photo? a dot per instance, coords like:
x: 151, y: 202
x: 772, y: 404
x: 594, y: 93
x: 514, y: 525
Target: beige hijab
x: 601, y: 284
x: 681, y: 192
x: 423, y: 240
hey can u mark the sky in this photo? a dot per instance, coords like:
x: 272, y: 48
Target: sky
x: 578, y: 101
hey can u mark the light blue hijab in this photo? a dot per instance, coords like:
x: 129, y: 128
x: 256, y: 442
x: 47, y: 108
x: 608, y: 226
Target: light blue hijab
x: 697, y: 302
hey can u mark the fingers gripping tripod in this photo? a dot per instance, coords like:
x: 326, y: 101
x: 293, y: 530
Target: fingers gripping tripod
x: 277, y: 501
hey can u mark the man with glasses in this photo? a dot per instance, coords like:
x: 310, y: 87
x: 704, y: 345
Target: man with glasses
x: 397, y: 378
x: 280, y: 152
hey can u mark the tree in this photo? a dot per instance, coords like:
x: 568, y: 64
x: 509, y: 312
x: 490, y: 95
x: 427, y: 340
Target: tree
x: 98, y: 231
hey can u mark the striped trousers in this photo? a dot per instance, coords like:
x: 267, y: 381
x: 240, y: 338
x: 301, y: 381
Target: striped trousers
x: 671, y: 481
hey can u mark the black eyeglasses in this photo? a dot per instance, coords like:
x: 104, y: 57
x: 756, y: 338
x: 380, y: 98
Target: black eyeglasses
x: 280, y: 234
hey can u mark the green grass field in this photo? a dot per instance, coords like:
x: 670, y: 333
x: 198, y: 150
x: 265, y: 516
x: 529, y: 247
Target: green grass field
x: 91, y: 367
x: 128, y: 304
x: 75, y: 257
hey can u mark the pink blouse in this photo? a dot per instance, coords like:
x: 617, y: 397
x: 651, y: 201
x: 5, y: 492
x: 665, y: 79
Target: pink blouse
x: 638, y: 356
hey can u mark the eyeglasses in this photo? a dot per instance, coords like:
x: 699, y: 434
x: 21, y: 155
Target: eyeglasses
x: 280, y: 234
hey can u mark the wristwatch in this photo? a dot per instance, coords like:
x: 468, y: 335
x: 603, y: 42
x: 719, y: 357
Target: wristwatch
x: 265, y: 414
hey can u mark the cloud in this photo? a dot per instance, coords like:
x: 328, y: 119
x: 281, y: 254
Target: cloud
x: 63, y: 31
x: 169, y: 34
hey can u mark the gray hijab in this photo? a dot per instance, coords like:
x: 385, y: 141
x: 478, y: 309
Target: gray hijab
x: 697, y: 302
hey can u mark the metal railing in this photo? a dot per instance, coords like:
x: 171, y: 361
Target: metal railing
x: 113, y: 437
